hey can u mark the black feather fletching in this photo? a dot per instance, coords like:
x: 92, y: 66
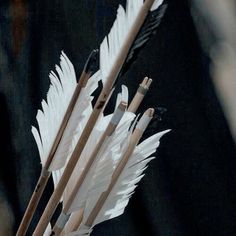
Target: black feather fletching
x: 148, y: 29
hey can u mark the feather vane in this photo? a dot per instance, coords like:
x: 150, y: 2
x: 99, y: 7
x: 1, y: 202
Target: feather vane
x: 50, y: 117
x: 124, y: 187
x: 112, y: 44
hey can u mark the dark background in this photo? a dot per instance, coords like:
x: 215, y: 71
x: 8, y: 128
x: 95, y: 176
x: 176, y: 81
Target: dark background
x: 190, y: 188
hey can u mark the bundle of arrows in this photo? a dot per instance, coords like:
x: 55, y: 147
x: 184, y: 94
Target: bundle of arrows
x: 96, y: 160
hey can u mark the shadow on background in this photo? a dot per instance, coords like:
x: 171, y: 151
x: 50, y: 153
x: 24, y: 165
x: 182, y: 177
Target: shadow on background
x: 7, y: 168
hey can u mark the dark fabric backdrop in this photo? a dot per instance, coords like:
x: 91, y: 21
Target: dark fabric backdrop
x: 189, y: 189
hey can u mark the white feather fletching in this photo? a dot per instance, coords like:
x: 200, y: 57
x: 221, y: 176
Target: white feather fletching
x: 79, y: 117
x: 50, y: 117
x: 92, y: 141
x: 113, y: 42
x: 125, y: 186
x: 100, y: 174
x: 58, y: 98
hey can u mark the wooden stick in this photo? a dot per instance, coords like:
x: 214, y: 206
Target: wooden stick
x: 75, y: 221
x: 141, y: 92
x: 137, y: 134
x: 45, y: 173
x: 118, y: 114
x: 56, y: 196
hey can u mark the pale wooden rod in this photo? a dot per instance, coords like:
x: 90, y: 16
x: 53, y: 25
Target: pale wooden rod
x: 141, y: 92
